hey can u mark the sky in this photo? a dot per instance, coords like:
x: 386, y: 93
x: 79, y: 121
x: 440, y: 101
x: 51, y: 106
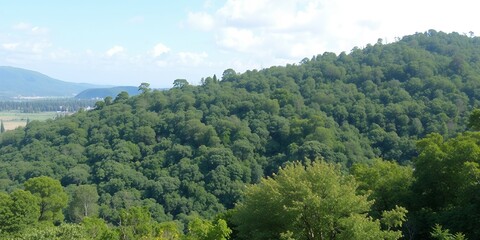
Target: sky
x: 127, y: 42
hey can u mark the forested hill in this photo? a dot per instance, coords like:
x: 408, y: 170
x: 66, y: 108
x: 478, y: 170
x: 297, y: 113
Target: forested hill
x: 192, y: 149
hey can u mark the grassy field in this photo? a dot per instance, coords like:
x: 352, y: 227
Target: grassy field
x: 14, y: 119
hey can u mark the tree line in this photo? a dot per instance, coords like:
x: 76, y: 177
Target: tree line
x: 46, y: 105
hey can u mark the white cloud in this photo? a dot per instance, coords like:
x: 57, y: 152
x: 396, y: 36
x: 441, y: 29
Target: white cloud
x: 237, y: 39
x: 21, y: 26
x: 27, y: 27
x: 10, y: 46
x: 39, y: 47
x: 200, y: 20
x: 192, y: 58
x: 272, y: 31
x: 290, y: 31
x: 115, y: 50
x: 160, y: 49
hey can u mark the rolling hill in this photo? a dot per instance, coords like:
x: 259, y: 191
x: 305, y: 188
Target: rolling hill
x: 16, y: 82
x: 93, y: 93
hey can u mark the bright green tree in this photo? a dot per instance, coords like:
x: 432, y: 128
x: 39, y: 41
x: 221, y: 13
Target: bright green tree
x: 6, y: 214
x: 444, y: 234
x: 388, y: 183
x: 61, y: 232
x: 201, y: 229
x: 18, y: 211
x: 96, y: 228
x: 171, y: 230
x: 308, y: 202
x: 53, y: 198
x: 135, y: 223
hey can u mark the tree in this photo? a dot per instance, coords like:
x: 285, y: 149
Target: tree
x: 135, y: 223
x: 180, y: 83
x: 170, y: 230
x: 200, y: 229
x: 25, y: 209
x: 84, y: 203
x: 308, y: 202
x: 121, y: 97
x: 228, y: 75
x: 389, y: 184
x: 107, y: 100
x: 64, y: 231
x: 6, y: 214
x: 2, y: 128
x: 474, y: 120
x: 96, y: 228
x: 144, y: 87
x: 18, y: 211
x: 446, y: 190
x: 444, y: 234
x: 52, y: 197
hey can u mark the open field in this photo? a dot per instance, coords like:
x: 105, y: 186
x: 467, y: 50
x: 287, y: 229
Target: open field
x: 14, y: 119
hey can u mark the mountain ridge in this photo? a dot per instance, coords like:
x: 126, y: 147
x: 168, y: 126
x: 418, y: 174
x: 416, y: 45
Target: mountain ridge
x: 24, y: 82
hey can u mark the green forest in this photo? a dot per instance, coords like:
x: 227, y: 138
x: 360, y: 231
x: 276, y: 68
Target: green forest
x: 378, y: 143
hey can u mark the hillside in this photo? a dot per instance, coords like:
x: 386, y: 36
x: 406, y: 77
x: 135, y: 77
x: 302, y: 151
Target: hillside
x: 22, y: 82
x: 193, y: 150
x: 100, y: 93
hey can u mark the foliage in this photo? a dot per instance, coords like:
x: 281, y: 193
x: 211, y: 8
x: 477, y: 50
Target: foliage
x: 311, y: 202
x: 164, y: 156
x: 446, y: 189
x: 84, y: 203
x: 444, y: 234
x: 51, y: 195
x: 199, y: 229
x: 388, y: 183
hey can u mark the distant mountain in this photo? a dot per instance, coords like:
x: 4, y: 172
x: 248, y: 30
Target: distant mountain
x: 104, y: 92
x: 15, y: 82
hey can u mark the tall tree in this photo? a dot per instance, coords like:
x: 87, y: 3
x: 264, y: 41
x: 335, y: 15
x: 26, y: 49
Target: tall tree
x: 144, y: 87
x: 52, y: 197
x: 83, y: 203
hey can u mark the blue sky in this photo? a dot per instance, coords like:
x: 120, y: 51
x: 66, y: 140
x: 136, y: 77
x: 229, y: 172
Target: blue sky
x: 126, y: 42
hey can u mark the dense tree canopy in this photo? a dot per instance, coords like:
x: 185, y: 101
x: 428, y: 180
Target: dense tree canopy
x: 315, y: 201
x: 192, y: 151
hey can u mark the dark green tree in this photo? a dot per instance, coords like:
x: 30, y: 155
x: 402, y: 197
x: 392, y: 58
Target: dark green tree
x: 144, y: 87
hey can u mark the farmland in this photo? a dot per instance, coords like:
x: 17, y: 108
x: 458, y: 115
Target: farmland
x: 14, y: 119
